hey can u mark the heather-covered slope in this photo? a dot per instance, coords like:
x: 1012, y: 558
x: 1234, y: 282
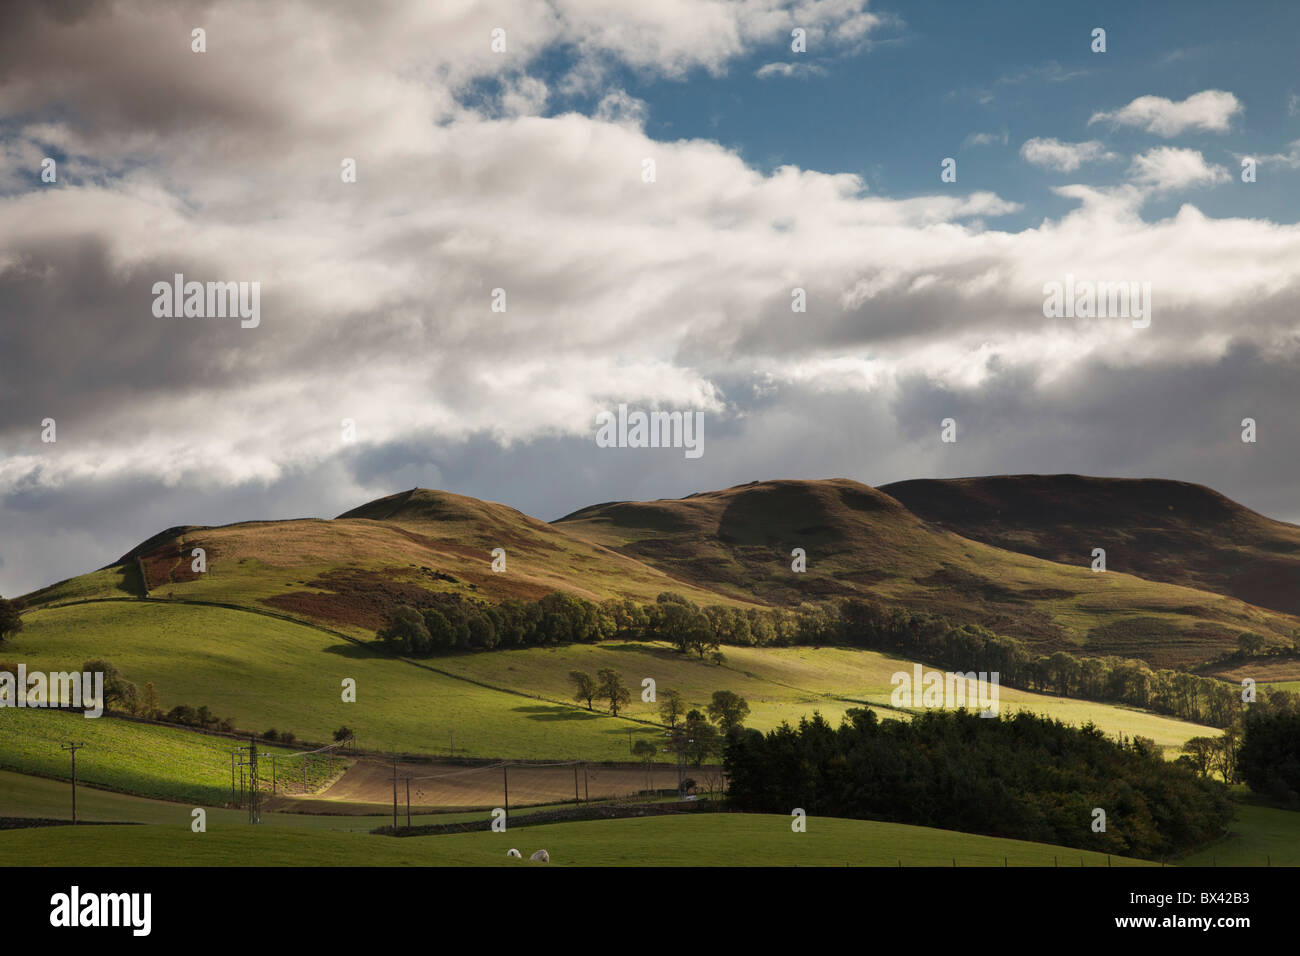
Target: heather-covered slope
x: 1170, y: 531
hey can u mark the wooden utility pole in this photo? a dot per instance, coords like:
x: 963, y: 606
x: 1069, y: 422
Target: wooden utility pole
x: 73, y: 748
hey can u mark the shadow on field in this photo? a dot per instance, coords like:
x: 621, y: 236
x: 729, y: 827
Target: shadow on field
x: 355, y: 651
x: 543, y: 712
x: 666, y: 653
x: 653, y: 734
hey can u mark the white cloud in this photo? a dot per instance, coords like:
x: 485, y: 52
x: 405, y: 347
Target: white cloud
x: 788, y: 70
x: 1209, y: 110
x: 986, y: 139
x: 617, y: 289
x: 1066, y: 157
x: 523, y: 96
x: 1288, y: 160
x: 1168, y: 168
x: 376, y: 294
x: 617, y: 106
x: 1051, y: 72
x: 674, y: 36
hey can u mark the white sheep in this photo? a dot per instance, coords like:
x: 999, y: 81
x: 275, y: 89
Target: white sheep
x: 515, y: 853
x: 541, y: 856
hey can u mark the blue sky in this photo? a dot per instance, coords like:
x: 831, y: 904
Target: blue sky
x: 943, y: 71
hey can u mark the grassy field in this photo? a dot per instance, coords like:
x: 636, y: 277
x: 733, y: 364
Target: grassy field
x: 1292, y: 686
x: 264, y: 672
x: 1260, y: 835
x: 865, y: 675
x: 781, y: 684
x: 22, y: 795
x: 545, y: 671
x: 703, y: 839
x: 116, y: 582
x: 120, y: 755
x: 267, y: 673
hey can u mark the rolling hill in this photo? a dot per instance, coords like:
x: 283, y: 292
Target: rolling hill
x: 734, y: 547
x: 266, y: 672
x: 284, y: 612
x: 862, y: 541
x: 1169, y: 531
x: 352, y: 572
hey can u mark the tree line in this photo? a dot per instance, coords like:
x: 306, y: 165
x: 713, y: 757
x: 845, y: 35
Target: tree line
x: 1023, y: 777
x: 1262, y: 750
x: 452, y: 623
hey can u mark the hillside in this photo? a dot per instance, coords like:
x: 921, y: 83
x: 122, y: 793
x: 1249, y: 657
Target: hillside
x: 861, y: 541
x: 262, y: 673
x: 1169, y: 531
x: 351, y: 572
x: 727, y: 547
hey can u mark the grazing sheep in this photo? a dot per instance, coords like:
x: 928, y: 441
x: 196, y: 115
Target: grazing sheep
x: 515, y: 853
x: 541, y: 856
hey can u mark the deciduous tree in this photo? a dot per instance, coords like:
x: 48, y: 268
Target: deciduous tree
x: 584, y: 687
x: 728, y: 709
x: 612, y: 689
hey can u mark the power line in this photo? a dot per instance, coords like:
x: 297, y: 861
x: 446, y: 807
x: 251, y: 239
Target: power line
x: 457, y: 773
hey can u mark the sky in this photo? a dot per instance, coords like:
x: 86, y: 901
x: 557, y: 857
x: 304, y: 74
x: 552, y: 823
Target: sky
x: 563, y: 207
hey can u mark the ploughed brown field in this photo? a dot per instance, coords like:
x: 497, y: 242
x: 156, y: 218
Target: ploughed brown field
x: 367, y: 786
